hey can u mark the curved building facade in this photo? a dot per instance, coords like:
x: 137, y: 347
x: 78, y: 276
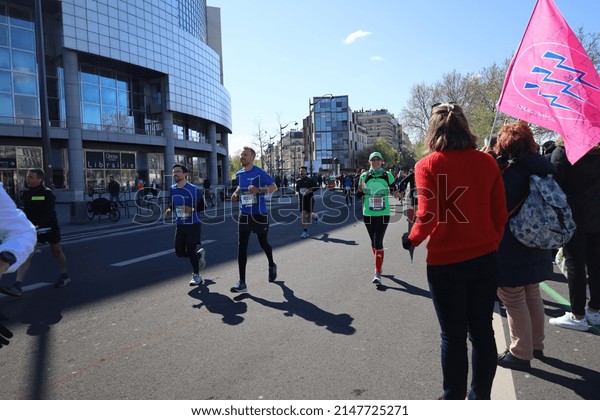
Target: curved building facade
x: 131, y: 87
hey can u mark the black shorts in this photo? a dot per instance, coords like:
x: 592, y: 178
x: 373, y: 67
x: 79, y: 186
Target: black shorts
x: 306, y: 203
x: 51, y: 237
x: 257, y: 223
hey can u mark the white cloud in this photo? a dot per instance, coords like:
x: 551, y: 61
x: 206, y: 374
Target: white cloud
x: 356, y: 35
x: 376, y: 58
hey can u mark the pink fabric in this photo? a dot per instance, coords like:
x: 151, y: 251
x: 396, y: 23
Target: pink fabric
x: 551, y: 82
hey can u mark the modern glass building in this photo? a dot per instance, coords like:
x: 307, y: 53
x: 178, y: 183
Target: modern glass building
x: 90, y: 89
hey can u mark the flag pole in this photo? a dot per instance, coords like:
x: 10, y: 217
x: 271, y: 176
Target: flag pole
x: 494, y: 124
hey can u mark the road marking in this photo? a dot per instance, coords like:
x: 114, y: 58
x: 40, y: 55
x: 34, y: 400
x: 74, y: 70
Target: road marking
x: 150, y: 256
x: 28, y: 288
x: 503, y: 387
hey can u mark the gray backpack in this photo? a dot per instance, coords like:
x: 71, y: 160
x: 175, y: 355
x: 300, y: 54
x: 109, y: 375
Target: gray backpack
x: 545, y: 220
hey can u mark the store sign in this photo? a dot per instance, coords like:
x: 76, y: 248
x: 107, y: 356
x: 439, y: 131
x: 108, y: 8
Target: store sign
x: 128, y: 160
x: 8, y: 163
x: 94, y: 160
x: 112, y: 160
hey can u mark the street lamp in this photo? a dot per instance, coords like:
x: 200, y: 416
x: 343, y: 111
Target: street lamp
x: 281, y: 128
x: 312, y: 130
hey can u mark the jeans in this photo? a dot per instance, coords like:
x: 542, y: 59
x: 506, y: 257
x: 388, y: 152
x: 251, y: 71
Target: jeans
x: 582, y: 252
x: 463, y: 295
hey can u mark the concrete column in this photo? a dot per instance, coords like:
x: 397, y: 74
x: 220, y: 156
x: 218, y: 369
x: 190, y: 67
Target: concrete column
x: 167, y: 128
x: 212, y: 159
x: 76, y: 174
x: 225, y: 143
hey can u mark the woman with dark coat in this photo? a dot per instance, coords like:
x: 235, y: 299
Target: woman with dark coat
x: 521, y: 268
x: 581, y: 184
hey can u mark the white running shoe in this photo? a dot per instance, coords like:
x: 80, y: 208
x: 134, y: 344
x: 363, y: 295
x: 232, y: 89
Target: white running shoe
x: 593, y: 318
x: 569, y: 321
x: 377, y: 279
x: 201, y: 258
x: 196, y: 280
x: 304, y: 235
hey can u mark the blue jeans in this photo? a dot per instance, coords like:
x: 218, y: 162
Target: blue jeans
x: 463, y: 295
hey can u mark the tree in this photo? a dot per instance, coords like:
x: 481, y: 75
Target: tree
x: 234, y: 166
x: 391, y: 157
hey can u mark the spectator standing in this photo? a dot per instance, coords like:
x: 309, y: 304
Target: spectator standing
x: 581, y: 184
x: 113, y: 190
x: 462, y: 210
x: 520, y: 268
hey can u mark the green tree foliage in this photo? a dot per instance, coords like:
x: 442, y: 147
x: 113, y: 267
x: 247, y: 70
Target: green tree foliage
x: 391, y: 157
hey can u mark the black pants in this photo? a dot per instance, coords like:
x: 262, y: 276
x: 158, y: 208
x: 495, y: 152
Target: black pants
x: 259, y: 224
x: 376, y: 226
x: 187, y: 237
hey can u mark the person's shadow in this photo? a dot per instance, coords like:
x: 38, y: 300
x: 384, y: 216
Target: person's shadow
x: 217, y: 303
x: 294, y: 306
x: 584, y: 382
x: 326, y: 238
x: 404, y: 287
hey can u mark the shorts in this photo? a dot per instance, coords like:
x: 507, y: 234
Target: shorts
x: 257, y: 223
x: 51, y: 237
x: 306, y: 203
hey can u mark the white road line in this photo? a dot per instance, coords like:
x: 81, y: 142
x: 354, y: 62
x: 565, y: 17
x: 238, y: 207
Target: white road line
x: 503, y: 387
x: 28, y: 288
x: 150, y: 256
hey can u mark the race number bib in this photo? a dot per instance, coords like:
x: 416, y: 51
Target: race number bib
x: 303, y: 191
x: 180, y: 212
x: 247, y: 200
x: 376, y: 202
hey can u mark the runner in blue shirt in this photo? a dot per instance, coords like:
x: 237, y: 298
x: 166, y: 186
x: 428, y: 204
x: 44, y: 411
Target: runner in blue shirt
x: 253, y: 184
x: 186, y: 203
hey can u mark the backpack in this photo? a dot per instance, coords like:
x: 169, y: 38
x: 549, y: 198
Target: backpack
x: 545, y: 220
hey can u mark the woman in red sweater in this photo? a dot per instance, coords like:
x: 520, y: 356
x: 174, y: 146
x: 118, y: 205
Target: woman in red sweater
x: 462, y: 210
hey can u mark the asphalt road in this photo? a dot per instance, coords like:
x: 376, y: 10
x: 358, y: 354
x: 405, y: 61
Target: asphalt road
x: 130, y: 327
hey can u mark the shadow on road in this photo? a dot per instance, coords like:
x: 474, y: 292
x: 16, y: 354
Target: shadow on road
x: 326, y: 238
x: 584, y: 382
x: 336, y: 323
x: 405, y: 287
x: 217, y: 303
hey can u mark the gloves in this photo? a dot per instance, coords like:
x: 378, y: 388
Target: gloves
x: 406, y: 243
x: 5, y: 334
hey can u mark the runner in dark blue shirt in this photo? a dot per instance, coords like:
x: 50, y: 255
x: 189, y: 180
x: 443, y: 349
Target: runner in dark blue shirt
x: 186, y: 203
x: 253, y: 184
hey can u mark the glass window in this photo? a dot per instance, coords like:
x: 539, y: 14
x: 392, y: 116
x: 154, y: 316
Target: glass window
x: 109, y: 116
x: 5, y: 83
x: 109, y: 96
x: 91, y: 114
x: 90, y: 93
x: 6, y: 105
x: 123, y: 98
x: 23, y: 61
x: 22, y: 39
x: 4, y: 35
x: 20, y: 17
x: 88, y: 76
x: 3, y: 13
x: 4, y: 58
x: 25, y: 83
x: 122, y: 82
x: 26, y: 107
x: 106, y: 79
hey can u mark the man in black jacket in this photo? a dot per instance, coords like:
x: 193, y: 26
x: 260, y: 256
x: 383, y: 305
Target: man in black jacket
x: 38, y: 205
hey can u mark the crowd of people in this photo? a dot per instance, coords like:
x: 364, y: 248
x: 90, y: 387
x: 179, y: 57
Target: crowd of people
x: 462, y: 193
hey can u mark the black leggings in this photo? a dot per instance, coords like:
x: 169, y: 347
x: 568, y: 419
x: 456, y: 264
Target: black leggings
x: 243, y: 240
x: 376, y: 226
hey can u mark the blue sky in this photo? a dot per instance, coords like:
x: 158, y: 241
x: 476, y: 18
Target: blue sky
x: 279, y: 53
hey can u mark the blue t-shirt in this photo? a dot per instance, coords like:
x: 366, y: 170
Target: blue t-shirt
x: 253, y: 203
x: 188, y: 196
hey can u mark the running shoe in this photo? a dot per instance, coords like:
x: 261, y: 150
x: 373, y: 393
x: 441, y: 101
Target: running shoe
x: 272, y: 273
x: 201, y: 259
x: 63, y: 280
x: 13, y: 290
x: 317, y: 220
x: 377, y: 279
x: 196, y: 280
x: 569, y: 321
x: 304, y: 235
x: 593, y: 318
x: 239, y: 288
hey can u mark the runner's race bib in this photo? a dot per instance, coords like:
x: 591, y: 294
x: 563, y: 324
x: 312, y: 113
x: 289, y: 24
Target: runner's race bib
x: 376, y: 202
x: 247, y: 200
x: 303, y: 191
x: 180, y: 212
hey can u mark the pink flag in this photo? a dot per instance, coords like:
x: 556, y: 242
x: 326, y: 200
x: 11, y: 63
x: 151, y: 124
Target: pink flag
x: 551, y: 82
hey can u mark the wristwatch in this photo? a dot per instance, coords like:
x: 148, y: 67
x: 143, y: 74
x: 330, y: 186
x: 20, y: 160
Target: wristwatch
x: 8, y: 257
